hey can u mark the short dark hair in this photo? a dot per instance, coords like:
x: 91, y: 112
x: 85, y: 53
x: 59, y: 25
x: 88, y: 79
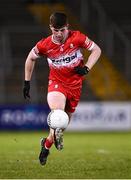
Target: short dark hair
x: 58, y: 20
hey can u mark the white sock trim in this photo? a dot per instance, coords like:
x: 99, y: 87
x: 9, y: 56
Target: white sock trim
x: 46, y: 147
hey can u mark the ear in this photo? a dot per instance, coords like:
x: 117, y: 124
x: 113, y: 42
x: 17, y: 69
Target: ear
x: 67, y: 25
x: 50, y: 26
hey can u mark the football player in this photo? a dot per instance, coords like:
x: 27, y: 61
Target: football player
x: 67, y: 69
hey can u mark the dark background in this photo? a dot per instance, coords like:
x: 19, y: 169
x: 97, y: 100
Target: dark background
x: 107, y: 22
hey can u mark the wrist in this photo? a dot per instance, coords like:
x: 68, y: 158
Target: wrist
x: 27, y: 82
x: 87, y: 68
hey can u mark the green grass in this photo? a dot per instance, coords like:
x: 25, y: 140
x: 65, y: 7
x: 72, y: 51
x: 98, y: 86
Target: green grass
x: 85, y: 156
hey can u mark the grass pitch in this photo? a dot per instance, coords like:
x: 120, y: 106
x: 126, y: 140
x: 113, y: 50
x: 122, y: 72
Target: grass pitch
x: 85, y: 156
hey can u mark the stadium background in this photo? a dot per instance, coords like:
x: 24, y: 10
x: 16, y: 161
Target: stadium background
x: 105, y: 105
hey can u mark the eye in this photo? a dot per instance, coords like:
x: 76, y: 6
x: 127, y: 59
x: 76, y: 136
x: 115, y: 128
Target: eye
x: 56, y: 30
x: 62, y: 30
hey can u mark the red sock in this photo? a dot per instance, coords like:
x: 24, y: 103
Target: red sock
x: 48, y: 144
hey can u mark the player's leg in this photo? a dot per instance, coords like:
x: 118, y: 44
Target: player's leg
x: 72, y: 101
x: 44, y: 152
x: 56, y: 100
x: 69, y: 114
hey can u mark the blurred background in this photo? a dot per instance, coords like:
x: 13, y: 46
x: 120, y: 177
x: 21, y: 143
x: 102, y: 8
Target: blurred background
x: 106, y: 95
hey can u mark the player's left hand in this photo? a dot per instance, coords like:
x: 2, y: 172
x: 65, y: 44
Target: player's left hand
x: 26, y: 90
x: 81, y: 70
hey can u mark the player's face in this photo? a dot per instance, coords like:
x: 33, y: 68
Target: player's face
x: 60, y: 34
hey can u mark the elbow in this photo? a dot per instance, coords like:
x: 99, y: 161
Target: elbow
x: 98, y: 51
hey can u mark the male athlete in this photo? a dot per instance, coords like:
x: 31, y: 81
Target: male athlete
x: 67, y: 69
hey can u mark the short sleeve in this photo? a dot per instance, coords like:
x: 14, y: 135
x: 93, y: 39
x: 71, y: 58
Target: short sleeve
x: 85, y: 42
x: 41, y: 47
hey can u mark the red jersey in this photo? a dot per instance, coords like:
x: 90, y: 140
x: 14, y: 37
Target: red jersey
x: 62, y: 58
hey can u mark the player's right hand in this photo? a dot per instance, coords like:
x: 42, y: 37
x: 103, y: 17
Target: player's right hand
x: 81, y: 70
x: 26, y: 89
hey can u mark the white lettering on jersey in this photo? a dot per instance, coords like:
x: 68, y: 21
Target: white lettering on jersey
x: 66, y: 60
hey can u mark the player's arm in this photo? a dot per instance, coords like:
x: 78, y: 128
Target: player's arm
x: 29, y: 64
x: 29, y: 67
x: 94, y: 56
x: 92, y: 59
